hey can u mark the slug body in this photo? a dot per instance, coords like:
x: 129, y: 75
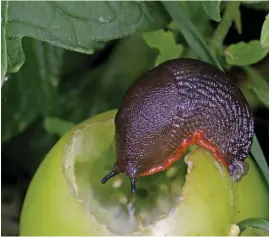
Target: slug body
x: 179, y: 103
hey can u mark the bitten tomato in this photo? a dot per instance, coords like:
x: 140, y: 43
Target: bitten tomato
x: 66, y: 196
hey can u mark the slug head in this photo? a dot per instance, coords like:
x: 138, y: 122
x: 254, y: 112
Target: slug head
x: 238, y: 169
x: 143, y: 124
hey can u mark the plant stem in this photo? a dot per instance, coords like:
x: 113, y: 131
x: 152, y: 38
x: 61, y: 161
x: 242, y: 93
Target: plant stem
x: 224, y: 26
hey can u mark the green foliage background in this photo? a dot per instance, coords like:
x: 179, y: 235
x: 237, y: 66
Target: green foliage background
x: 63, y: 62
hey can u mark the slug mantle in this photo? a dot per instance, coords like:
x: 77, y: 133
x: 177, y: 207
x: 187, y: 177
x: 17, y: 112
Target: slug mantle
x: 177, y: 104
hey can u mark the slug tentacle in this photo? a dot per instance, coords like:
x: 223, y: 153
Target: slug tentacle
x: 177, y: 104
x: 109, y: 176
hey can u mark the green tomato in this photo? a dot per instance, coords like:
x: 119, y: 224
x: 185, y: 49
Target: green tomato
x: 193, y: 197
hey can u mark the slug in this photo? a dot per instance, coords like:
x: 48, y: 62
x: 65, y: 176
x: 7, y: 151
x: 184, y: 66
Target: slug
x: 177, y: 104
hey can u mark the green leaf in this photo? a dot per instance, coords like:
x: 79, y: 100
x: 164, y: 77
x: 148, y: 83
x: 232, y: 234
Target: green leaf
x: 190, y: 33
x: 164, y: 42
x: 258, y: 85
x: 192, y: 10
x: 33, y: 91
x: 251, y: 231
x: 251, y: 98
x: 57, y: 125
x: 265, y: 33
x: 212, y: 9
x: 263, y: 95
x: 259, y: 223
x: 259, y: 157
x: 79, y: 26
x: 242, y: 53
x: 4, y: 6
x: 257, y: 5
x: 103, y: 88
x: 16, y: 57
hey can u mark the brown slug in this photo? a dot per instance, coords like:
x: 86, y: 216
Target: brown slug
x: 177, y: 104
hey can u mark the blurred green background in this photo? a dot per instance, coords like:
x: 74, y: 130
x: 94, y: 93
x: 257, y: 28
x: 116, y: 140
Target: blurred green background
x: 53, y: 84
